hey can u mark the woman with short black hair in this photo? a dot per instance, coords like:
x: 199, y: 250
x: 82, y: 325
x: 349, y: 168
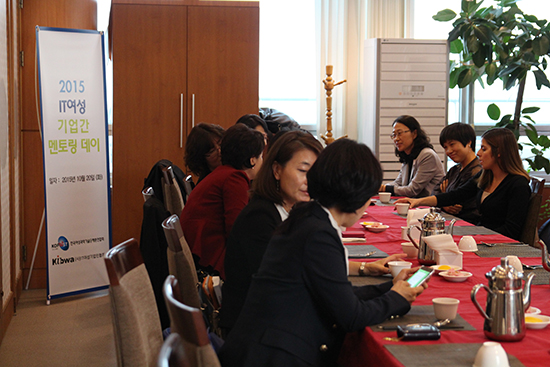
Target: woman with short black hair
x: 300, y: 303
x: 257, y: 123
x: 214, y: 205
x: 459, y: 142
x: 421, y: 167
x: 202, y: 149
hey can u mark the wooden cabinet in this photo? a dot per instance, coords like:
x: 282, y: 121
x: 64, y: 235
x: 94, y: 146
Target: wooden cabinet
x: 80, y: 14
x: 173, y: 66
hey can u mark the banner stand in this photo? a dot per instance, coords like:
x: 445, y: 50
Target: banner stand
x: 77, y: 214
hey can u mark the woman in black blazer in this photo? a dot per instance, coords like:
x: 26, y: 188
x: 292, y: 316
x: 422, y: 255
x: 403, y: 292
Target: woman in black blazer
x: 300, y: 303
x: 502, y: 193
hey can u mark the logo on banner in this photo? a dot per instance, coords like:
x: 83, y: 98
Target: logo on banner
x: 62, y: 243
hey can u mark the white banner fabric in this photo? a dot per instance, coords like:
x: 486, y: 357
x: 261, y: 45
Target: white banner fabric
x: 76, y: 172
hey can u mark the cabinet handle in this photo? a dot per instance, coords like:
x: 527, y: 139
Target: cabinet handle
x: 193, y: 112
x: 181, y: 120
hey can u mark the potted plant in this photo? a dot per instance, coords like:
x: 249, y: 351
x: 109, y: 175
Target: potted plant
x: 502, y: 42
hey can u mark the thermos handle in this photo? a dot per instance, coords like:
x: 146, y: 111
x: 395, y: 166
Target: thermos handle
x: 410, y: 237
x: 474, y: 300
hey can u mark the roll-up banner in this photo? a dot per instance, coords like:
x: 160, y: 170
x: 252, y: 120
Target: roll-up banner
x: 71, y: 73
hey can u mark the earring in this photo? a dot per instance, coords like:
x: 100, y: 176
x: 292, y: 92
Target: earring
x: 278, y: 185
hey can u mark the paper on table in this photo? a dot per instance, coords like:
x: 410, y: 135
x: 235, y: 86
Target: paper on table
x: 414, y: 215
x: 442, y: 243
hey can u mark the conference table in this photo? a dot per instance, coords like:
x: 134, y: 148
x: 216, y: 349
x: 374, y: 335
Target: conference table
x: 456, y: 347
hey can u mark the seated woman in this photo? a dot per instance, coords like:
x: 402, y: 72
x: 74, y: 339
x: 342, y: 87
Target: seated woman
x: 214, y: 205
x: 300, y: 303
x: 502, y: 192
x: 202, y: 149
x: 257, y: 123
x: 459, y: 142
x: 421, y: 167
x: 279, y: 185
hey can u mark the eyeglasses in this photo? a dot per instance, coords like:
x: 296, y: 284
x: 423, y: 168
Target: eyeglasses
x: 212, y: 151
x: 398, y: 134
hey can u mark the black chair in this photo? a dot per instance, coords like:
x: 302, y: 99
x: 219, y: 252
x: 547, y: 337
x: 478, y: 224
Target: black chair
x: 544, y: 234
x: 529, y: 233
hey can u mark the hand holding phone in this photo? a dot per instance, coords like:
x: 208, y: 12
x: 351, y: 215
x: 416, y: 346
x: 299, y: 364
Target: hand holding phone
x: 420, y: 276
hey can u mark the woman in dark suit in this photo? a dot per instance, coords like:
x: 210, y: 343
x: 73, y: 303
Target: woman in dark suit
x: 300, y: 303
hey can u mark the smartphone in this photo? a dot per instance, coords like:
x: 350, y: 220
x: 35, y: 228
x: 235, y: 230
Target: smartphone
x: 420, y: 276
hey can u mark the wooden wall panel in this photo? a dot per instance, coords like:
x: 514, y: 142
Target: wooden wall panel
x: 80, y: 14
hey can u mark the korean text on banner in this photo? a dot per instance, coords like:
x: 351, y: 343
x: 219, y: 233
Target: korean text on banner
x: 76, y: 172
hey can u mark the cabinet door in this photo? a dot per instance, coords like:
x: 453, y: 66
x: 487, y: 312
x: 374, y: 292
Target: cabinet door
x: 223, y: 63
x: 149, y: 68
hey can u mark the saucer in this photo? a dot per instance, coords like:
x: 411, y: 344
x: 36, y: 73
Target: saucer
x: 536, y: 321
x: 462, y: 276
x: 440, y: 268
x: 377, y: 228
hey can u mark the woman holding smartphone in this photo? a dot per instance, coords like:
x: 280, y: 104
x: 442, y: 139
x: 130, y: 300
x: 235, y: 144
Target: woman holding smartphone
x: 300, y: 303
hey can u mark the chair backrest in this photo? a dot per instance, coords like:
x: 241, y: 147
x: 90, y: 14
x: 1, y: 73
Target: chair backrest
x: 180, y: 261
x: 147, y: 193
x: 173, y: 198
x: 529, y: 233
x: 188, y: 322
x: 136, y: 324
x: 537, y: 185
x: 188, y: 185
x: 172, y: 353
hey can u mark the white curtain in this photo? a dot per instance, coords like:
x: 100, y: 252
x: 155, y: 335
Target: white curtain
x: 341, y: 28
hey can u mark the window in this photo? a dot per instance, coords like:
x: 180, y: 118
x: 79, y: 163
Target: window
x: 288, y: 80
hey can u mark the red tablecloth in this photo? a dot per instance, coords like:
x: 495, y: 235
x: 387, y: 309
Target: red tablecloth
x: 367, y: 347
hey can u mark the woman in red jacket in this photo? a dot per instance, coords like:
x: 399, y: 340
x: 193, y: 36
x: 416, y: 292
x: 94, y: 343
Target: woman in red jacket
x: 216, y: 202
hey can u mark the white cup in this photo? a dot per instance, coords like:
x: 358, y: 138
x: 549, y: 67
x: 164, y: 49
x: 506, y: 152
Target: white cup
x: 402, y: 208
x: 397, y: 266
x: 445, y: 308
x: 467, y: 244
x: 515, y: 262
x: 409, y: 249
x: 385, y: 196
x: 491, y: 354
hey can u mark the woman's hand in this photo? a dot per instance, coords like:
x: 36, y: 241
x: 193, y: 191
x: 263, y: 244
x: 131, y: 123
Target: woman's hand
x: 403, y: 287
x: 379, y: 267
x: 443, y: 186
x: 453, y: 209
x: 428, y: 201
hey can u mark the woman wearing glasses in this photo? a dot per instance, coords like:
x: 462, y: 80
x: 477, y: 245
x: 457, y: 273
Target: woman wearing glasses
x: 421, y: 167
x: 202, y: 150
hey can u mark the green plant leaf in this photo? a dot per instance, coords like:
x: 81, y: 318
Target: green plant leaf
x: 444, y: 15
x: 456, y: 46
x: 544, y: 141
x: 479, y: 58
x: 466, y: 77
x: 483, y: 33
x: 453, y: 78
x: 532, y: 135
x: 530, y: 109
x: 504, y: 121
x: 472, y: 43
x: 528, y: 118
x: 493, y: 111
x: 540, y: 46
x: 530, y: 18
x: 541, y: 79
x: 508, y: 70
